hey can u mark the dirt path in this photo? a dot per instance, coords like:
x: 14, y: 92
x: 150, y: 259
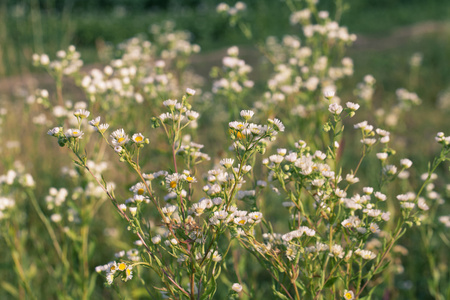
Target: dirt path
x: 202, y: 63
x: 401, y: 36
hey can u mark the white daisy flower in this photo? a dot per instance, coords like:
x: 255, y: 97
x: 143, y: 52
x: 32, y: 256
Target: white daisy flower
x: 95, y: 122
x: 190, y: 92
x: 103, y: 127
x: 227, y: 162
x: 74, y: 133
x: 138, y: 138
x: 352, y: 106
x: 192, y: 115
x: 406, y: 163
x: 119, y: 137
x: 247, y: 114
x: 277, y: 124
x: 81, y: 113
x: 236, y: 287
x: 335, y: 108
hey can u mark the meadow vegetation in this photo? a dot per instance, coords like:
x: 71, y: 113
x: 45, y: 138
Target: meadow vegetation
x: 297, y: 165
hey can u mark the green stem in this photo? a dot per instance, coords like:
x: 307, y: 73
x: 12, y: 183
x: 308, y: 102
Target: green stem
x: 49, y: 228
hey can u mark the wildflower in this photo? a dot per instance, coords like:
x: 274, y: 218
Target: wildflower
x: 118, y: 149
x: 128, y: 273
x: 256, y: 216
x: 361, y: 125
x: 368, y: 190
x: 337, y: 250
x: 81, y: 113
x: 103, y: 127
x: 361, y: 230
x: 190, y: 179
x: 120, y: 254
x: 221, y: 214
x: 119, y: 138
x: 318, y: 182
x: 222, y: 7
x: 227, y: 162
x: 121, y: 266
x: 156, y: 239
x: 277, y: 125
x: 422, y: 204
x: 123, y: 207
x: 216, y: 257
x: 199, y: 208
x: 349, y: 295
x: 353, y: 221
x: 320, y: 155
x: 351, y: 178
x: 380, y: 196
x: 192, y: 115
x: 133, y: 211
x: 95, y: 122
x: 390, y: 169
x: 277, y: 159
x: 368, y: 141
x: 56, y: 218
x: 190, y: 92
x: 374, y: 228
x: 246, y: 168
x: 110, y: 278
x: 247, y: 114
x: 352, y: 106
x: 236, y: 287
x: 335, y: 108
x: 340, y: 193
x: 240, y: 220
x: 44, y: 60
x: 382, y: 156
x: 138, y: 138
x: 386, y: 216
x: 405, y: 163
x: 329, y: 93
x: 240, y: 5
x: 74, y: 133
x: 385, y: 139
x: 170, y: 103
x: 172, y: 181
x: 54, y: 131
x: 445, y: 220
x: 366, y: 254
x: 169, y: 209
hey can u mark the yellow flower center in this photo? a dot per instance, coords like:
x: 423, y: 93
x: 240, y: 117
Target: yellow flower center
x: 348, y: 296
x: 173, y: 184
x: 138, y: 139
x: 75, y: 132
x: 120, y: 140
x: 240, y: 135
x: 113, y: 268
x: 140, y: 191
x: 190, y: 179
x: 128, y: 272
x: 242, y: 222
x: 122, y: 266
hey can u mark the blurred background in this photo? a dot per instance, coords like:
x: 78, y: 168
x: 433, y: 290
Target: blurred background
x: 390, y: 33
x: 49, y: 25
